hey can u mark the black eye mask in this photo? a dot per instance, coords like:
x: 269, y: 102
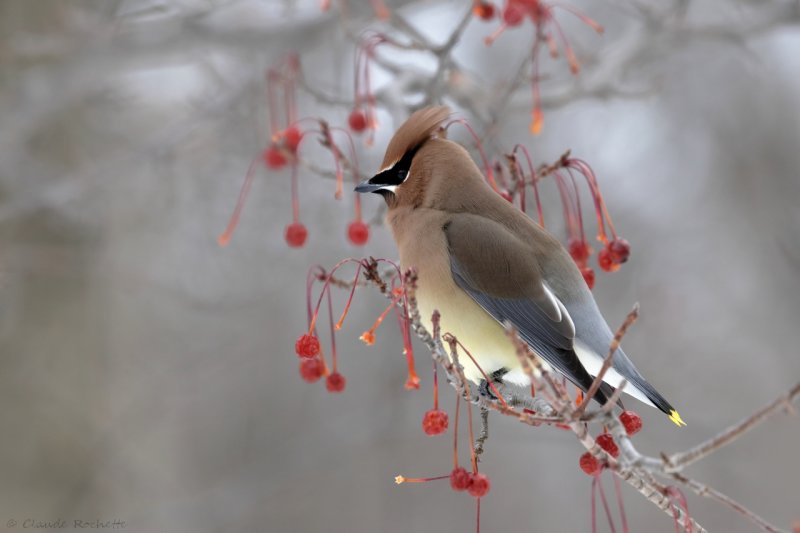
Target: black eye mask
x: 398, y: 173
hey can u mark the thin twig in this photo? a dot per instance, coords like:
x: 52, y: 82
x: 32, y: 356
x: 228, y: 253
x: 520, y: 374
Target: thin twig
x: 598, y: 380
x: 681, y: 460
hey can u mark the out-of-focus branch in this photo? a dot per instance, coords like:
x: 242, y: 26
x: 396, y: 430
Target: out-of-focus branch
x: 679, y: 461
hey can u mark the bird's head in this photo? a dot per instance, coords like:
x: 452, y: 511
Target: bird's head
x: 421, y: 168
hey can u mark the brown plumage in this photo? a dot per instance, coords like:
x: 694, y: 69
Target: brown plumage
x: 482, y: 262
x: 419, y: 127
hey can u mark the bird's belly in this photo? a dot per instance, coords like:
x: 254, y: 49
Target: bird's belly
x: 483, y: 336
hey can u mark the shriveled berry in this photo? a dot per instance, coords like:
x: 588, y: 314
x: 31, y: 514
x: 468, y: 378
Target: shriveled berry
x: 590, y: 464
x: 292, y: 137
x: 460, y: 479
x: 484, y: 10
x: 358, y: 233
x: 606, y: 441
x: 274, y: 158
x: 620, y: 250
x: 307, y: 346
x: 605, y: 260
x: 631, y: 421
x: 296, y: 234
x: 434, y: 422
x: 357, y: 120
x: 368, y: 337
x: 513, y: 14
x: 588, y: 276
x: 579, y: 249
x: 335, y: 382
x: 311, y: 369
x: 506, y: 196
x: 479, y: 485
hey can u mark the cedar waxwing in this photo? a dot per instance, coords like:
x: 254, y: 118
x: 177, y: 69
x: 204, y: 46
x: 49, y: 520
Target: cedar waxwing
x: 481, y: 262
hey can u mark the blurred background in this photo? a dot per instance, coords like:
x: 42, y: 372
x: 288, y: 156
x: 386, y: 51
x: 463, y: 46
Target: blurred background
x: 148, y: 375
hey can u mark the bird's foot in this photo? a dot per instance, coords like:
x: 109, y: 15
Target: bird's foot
x: 485, y: 388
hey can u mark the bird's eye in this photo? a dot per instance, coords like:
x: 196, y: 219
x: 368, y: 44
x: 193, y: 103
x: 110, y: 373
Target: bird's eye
x: 402, y: 174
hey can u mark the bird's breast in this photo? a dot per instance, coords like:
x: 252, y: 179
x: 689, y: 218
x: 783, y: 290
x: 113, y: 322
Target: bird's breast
x: 422, y: 245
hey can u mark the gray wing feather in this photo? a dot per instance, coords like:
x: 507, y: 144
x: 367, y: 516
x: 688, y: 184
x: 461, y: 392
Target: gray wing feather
x: 552, y: 340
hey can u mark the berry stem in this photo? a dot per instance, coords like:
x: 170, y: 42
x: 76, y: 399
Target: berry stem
x: 412, y: 381
x: 534, y: 181
x: 581, y: 15
x: 225, y: 236
x: 478, y: 514
x: 574, y: 65
x: 604, y: 501
x: 293, y: 64
x: 402, y: 479
x: 333, y: 331
x: 567, y: 206
x: 354, y: 171
x: 600, y: 206
x: 487, y: 167
x: 577, y: 205
x: 272, y: 104
x: 325, y: 287
x: 537, y: 117
x: 380, y: 319
x: 485, y: 376
x: 618, y: 492
x: 350, y: 298
x: 295, y: 194
x: 455, y: 432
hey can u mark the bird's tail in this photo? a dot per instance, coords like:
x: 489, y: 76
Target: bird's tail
x: 659, y: 401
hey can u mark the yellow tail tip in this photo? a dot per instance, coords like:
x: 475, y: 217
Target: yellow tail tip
x: 676, y: 418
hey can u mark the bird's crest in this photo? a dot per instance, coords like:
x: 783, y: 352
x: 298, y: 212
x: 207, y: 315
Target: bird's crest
x: 416, y: 130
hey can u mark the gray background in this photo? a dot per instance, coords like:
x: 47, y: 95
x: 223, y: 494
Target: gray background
x: 148, y: 375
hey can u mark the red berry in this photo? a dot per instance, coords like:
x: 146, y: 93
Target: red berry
x: 460, y: 479
x: 588, y: 276
x: 292, y: 137
x: 484, y: 11
x: 513, y: 14
x: 311, y: 369
x: 479, y: 485
x: 631, y: 421
x: 357, y: 120
x: 335, y: 382
x: 307, y: 346
x: 605, y: 260
x: 296, y: 234
x: 620, y: 250
x: 274, y: 158
x: 434, y: 422
x: 606, y: 441
x: 506, y: 196
x: 590, y: 464
x: 579, y: 249
x: 358, y: 233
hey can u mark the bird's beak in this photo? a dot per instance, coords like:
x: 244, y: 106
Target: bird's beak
x: 366, y: 186
x: 376, y: 183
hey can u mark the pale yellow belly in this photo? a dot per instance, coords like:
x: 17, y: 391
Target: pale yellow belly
x: 483, y: 336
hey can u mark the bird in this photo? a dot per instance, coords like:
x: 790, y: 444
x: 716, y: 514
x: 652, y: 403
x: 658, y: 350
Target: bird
x: 483, y: 263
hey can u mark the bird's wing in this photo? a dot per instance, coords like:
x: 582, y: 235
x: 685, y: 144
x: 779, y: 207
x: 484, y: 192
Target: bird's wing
x: 501, y: 274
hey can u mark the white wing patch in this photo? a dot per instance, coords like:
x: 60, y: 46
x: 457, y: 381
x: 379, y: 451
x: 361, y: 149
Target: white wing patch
x: 592, y: 362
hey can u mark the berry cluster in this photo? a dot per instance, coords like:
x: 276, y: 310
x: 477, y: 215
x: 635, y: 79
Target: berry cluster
x: 461, y: 479
x: 283, y: 151
x: 589, y: 463
x: 547, y: 31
